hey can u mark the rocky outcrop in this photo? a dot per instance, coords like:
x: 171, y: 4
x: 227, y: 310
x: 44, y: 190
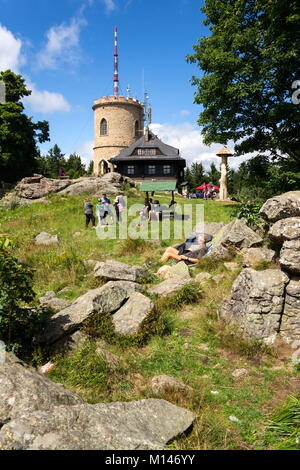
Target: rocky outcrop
x: 169, y: 286
x: 284, y: 230
x: 37, y: 186
x: 290, y: 324
x: 236, y: 235
x: 37, y: 414
x: 256, y: 303
x: 281, y: 207
x: 50, y: 300
x: 129, y: 318
x: 46, y: 239
x: 251, y: 256
x: 106, y: 299
x: 116, y: 270
x: 290, y: 256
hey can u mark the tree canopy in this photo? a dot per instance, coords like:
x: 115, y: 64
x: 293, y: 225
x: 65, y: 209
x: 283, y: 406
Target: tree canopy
x: 19, y: 135
x: 249, y: 62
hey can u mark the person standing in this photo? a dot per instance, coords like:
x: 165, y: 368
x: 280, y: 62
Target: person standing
x: 89, y: 215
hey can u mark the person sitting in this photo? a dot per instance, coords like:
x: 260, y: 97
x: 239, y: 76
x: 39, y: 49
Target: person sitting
x: 190, y: 251
x: 155, y: 211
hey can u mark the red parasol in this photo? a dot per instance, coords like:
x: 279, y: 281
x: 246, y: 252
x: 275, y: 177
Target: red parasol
x: 204, y: 186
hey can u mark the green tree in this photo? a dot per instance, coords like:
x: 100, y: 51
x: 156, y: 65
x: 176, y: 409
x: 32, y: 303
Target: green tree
x: 90, y: 169
x: 74, y: 166
x: 19, y: 135
x: 56, y: 161
x: 250, y: 60
x: 214, y: 175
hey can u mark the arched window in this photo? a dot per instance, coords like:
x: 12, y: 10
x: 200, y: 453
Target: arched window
x: 136, y: 129
x: 103, y: 127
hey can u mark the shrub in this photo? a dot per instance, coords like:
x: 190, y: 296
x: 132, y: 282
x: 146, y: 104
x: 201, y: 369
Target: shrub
x: 18, y: 323
x: 285, y: 424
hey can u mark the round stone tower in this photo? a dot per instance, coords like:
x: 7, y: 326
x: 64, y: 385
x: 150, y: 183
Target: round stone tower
x: 119, y: 122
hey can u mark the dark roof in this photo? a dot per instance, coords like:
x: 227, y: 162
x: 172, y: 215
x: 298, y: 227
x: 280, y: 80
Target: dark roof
x: 166, y: 151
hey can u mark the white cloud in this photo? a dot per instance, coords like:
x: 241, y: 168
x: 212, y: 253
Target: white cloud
x: 85, y: 150
x: 184, y: 112
x: 45, y: 101
x: 62, y: 44
x: 10, y: 51
x: 110, y: 5
x: 187, y: 138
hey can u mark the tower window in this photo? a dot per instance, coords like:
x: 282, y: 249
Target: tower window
x: 136, y: 129
x: 103, y: 127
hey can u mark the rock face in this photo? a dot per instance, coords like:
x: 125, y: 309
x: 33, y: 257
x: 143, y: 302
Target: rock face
x: 37, y: 186
x: 46, y: 239
x: 116, y: 270
x: 169, y: 286
x: 281, y: 207
x: 109, y: 184
x: 50, y: 300
x: 105, y: 299
x: 177, y: 270
x: 37, y: 414
x: 256, y: 303
x: 237, y: 235
x: 285, y: 229
x: 253, y: 255
x: 128, y: 319
x: 23, y: 391
x: 290, y: 256
x: 290, y: 324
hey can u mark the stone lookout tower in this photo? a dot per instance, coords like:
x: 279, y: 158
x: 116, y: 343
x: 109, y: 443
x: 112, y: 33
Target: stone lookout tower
x: 119, y: 122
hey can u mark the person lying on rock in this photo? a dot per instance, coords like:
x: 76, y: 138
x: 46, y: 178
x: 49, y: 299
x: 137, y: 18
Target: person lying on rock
x: 190, y: 251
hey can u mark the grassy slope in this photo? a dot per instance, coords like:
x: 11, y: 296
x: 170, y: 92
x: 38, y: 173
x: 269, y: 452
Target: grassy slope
x: 198, y: 350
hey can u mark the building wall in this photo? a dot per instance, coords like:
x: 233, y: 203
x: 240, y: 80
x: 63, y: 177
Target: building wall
x: 121, y: 115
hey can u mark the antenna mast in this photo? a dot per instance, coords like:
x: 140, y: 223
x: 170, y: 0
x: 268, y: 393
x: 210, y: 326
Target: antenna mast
x: 116, y: 64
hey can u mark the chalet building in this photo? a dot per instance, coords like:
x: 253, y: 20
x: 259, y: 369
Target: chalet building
x: 149, y: 159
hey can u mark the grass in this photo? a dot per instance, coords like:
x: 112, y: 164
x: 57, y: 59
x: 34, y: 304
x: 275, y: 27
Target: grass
x: 183, y: 337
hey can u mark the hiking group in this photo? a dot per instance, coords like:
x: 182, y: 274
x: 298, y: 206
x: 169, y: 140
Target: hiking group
x: 104, y: 211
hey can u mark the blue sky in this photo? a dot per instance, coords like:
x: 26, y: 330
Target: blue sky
x: 65, y: 50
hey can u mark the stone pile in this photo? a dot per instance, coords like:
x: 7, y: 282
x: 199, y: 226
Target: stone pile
x: 265, y: 304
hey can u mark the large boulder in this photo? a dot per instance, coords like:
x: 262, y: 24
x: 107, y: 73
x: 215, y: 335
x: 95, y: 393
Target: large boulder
x: 105, y: 299
x: 46, y: 239
x: 128, y: 319
x: 285, y: 229
x: 116, y: 270
x: 169, y: 286
x: 50, y: 300
x: 110, y: 184
x: 23, y: 391
x: 177, y: 270
x: 281, y: 207
x: 290, y: 323
x: 256, y: 303
x: 236, y: 235
x: 251, y: 256
x: 137, y: 425
x: 37, y: 186
x: 37, y: 414
x: 290, y: 256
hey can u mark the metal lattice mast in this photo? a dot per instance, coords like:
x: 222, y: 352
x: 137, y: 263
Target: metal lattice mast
x: 116, y: 64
